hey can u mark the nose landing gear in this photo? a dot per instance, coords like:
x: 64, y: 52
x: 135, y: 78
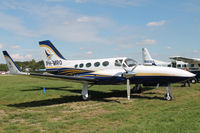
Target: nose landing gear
x: 168, y: 95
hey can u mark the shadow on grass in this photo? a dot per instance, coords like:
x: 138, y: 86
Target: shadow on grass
x: 95, y: 96
x: 49, y: 88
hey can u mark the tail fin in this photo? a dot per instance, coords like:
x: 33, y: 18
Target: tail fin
x: 11, y: 64
x: 51, y: 56
x: 147, y: 60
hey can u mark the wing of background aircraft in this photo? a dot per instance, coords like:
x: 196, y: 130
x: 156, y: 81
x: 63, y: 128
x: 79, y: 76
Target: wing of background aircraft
x: 15, y: 70
x: 185, y: 59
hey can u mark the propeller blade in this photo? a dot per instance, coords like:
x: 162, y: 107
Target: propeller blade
x: 128, y: 89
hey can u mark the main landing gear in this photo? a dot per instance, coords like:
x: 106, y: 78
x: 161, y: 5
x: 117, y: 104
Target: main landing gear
x: 137, y: 88
x: 168, y: 95
x: 84, y: 92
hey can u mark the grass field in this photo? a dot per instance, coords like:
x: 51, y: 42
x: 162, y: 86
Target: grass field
x: 25, y: 109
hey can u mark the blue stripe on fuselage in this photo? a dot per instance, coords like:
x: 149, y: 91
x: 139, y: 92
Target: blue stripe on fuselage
x: 106, y: 79
x: 141, y: 80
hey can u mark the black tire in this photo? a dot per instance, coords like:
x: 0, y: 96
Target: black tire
x: 193, y: 81
x: 168, y: 97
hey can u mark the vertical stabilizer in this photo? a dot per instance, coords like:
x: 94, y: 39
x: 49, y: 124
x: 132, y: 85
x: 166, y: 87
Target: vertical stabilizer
x: 50, y: 55
x: 147, y: 60
x: 145, y: 54
x: 11, y: 64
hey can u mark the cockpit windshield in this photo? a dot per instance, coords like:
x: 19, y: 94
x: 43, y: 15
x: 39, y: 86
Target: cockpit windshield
x: 130, y: 62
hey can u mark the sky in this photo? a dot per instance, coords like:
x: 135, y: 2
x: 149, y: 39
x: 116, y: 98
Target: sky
x: 90, y: 29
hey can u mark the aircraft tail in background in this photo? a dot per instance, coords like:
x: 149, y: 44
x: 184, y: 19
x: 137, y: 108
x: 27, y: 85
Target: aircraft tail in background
x: 147, y: 60
x: 11, y: 64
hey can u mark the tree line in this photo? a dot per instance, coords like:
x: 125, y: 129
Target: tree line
x: 31, y: 66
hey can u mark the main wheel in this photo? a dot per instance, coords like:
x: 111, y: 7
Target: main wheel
x: 194, y: 81
x: 168, y: 97
x: 84, y: 97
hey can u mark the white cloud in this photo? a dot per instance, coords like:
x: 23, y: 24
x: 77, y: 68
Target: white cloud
x: 21, y: 58
x: 80, y: 1
x: 195, y: 51
x: 169, y: 47
x: 83, y: 19
x: 15, y: 47
x: 60, y: 23
x: 12, y: 23
x: 159, y: 23
x: 147, y: 42
x: 89, y: 53
x: 87, y: 19
x: 1, y: 45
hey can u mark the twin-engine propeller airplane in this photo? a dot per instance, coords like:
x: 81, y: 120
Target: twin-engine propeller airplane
x: 102, y: 71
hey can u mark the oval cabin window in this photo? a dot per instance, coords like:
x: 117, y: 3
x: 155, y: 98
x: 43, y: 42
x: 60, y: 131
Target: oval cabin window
x: 97, y: 64
x: 81, y: 65
x: 88, y: 65
x: 105, y: 63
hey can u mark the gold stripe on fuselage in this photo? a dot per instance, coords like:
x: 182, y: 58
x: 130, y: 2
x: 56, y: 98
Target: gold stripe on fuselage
x: 154, y: 74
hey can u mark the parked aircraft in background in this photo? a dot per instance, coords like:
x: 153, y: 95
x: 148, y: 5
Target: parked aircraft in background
x: 149, y: 61
x: 194, y: 63
x: 118, y: 70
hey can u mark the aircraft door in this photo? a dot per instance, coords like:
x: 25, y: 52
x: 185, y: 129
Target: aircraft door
x: 174, y: 64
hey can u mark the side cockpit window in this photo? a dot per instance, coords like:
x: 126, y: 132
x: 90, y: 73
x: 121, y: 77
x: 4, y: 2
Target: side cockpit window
x: 118, y: 63
x: 130, y: 62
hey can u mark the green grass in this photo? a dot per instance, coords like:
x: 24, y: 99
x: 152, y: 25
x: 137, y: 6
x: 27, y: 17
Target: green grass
x: 24, y: 108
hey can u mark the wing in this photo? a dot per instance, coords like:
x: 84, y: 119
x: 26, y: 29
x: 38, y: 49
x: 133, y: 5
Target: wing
x: 15, y: 70
x: 67, y: 78
x: 185, y: 59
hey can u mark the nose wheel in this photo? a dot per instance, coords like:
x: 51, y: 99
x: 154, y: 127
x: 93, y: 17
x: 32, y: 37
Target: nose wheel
x: 168, y: 95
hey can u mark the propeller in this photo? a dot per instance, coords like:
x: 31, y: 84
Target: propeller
x: 128, y: 74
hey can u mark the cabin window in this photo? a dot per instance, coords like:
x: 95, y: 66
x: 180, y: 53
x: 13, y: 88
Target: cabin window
x: 88, y: 65
x: 179, y: 66
x: 192, y: 65
x: 118, y: 63
x: 81, y: 65
x: 199, y: 65
x: 76, y: 66
x: 184, y: 66
x: 130, y: 62
x: 105, y: 63
x: 97, y: 64
x: 169, y: 65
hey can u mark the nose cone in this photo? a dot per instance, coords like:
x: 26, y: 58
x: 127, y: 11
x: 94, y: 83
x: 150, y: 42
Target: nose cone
x: 184, y: 73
